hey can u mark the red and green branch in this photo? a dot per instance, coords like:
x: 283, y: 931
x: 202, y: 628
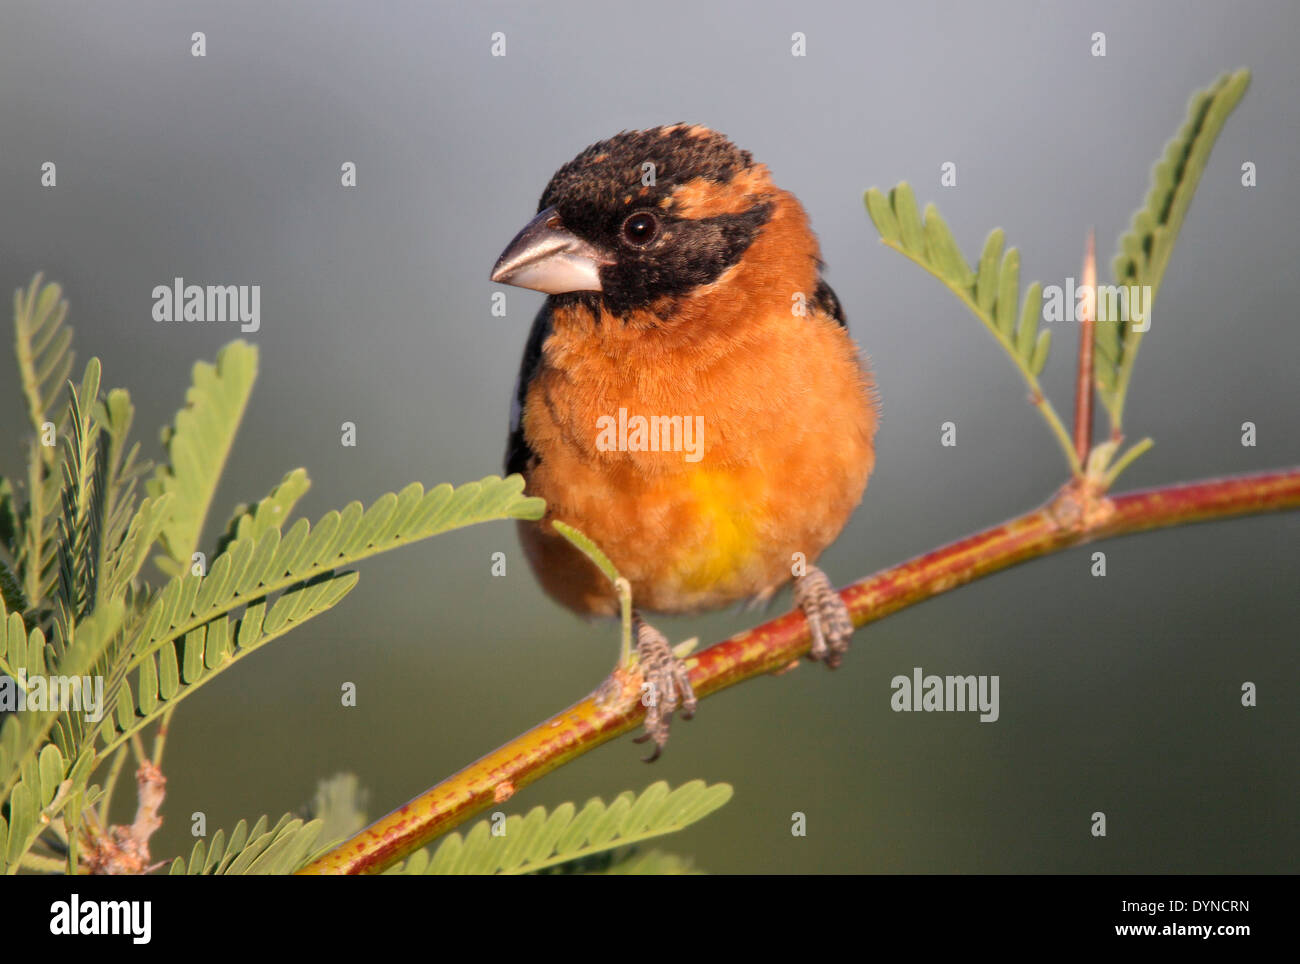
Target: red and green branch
x: 1073, y: 517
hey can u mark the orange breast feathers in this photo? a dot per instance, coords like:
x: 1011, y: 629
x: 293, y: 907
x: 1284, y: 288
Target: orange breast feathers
x: 702, y: 449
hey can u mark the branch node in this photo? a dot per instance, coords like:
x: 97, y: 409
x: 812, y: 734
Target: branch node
x: 1081, y: 506
x: 125, y: 849
x: 623, y: 685
x: 503, y: 791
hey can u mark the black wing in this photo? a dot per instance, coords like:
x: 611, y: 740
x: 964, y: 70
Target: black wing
x: 518, y: 454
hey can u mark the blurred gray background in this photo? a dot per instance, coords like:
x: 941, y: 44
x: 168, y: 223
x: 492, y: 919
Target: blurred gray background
x: 1118, y: 694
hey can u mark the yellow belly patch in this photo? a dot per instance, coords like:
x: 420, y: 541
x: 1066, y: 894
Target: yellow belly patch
x: 729, y: 536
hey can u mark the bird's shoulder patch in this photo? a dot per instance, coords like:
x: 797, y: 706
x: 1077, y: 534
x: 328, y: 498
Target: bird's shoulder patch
x: 825, y: 301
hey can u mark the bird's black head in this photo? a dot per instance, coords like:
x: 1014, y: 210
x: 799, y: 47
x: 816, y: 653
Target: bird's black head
x: 641, y: 218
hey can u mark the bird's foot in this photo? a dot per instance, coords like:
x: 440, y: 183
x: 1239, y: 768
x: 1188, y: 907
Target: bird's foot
x: 665, y: 684
x: 828, y: 617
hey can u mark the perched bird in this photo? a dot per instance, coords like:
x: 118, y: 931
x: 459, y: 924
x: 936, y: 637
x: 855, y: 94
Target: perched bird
x: 689, y: 397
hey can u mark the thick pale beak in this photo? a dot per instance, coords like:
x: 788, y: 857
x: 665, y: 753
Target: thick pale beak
x: 547, y: 256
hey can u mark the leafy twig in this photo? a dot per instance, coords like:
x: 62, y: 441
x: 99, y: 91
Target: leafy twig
x: 1058, y: 525
x: 991, y: 293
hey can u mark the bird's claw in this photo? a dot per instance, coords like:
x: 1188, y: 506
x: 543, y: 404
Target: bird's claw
x: 665, y: 684
x: 827, y: 615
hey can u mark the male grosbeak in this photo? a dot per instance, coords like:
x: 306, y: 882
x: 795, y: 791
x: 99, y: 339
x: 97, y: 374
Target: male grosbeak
x: 685, y: 289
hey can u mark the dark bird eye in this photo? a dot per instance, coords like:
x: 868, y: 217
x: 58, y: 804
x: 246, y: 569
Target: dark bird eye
x: 641, y: 228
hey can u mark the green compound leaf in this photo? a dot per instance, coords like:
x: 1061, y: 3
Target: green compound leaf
x: 542, y: 840
x: 281, y: 849
x: 1144, y: 250
x: 306, y: 558
x: 197, y: 447
x: 164, y: 678
x: 43, y: 346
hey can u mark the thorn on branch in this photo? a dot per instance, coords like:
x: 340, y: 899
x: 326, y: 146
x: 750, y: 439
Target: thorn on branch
x: 1083, y: 385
